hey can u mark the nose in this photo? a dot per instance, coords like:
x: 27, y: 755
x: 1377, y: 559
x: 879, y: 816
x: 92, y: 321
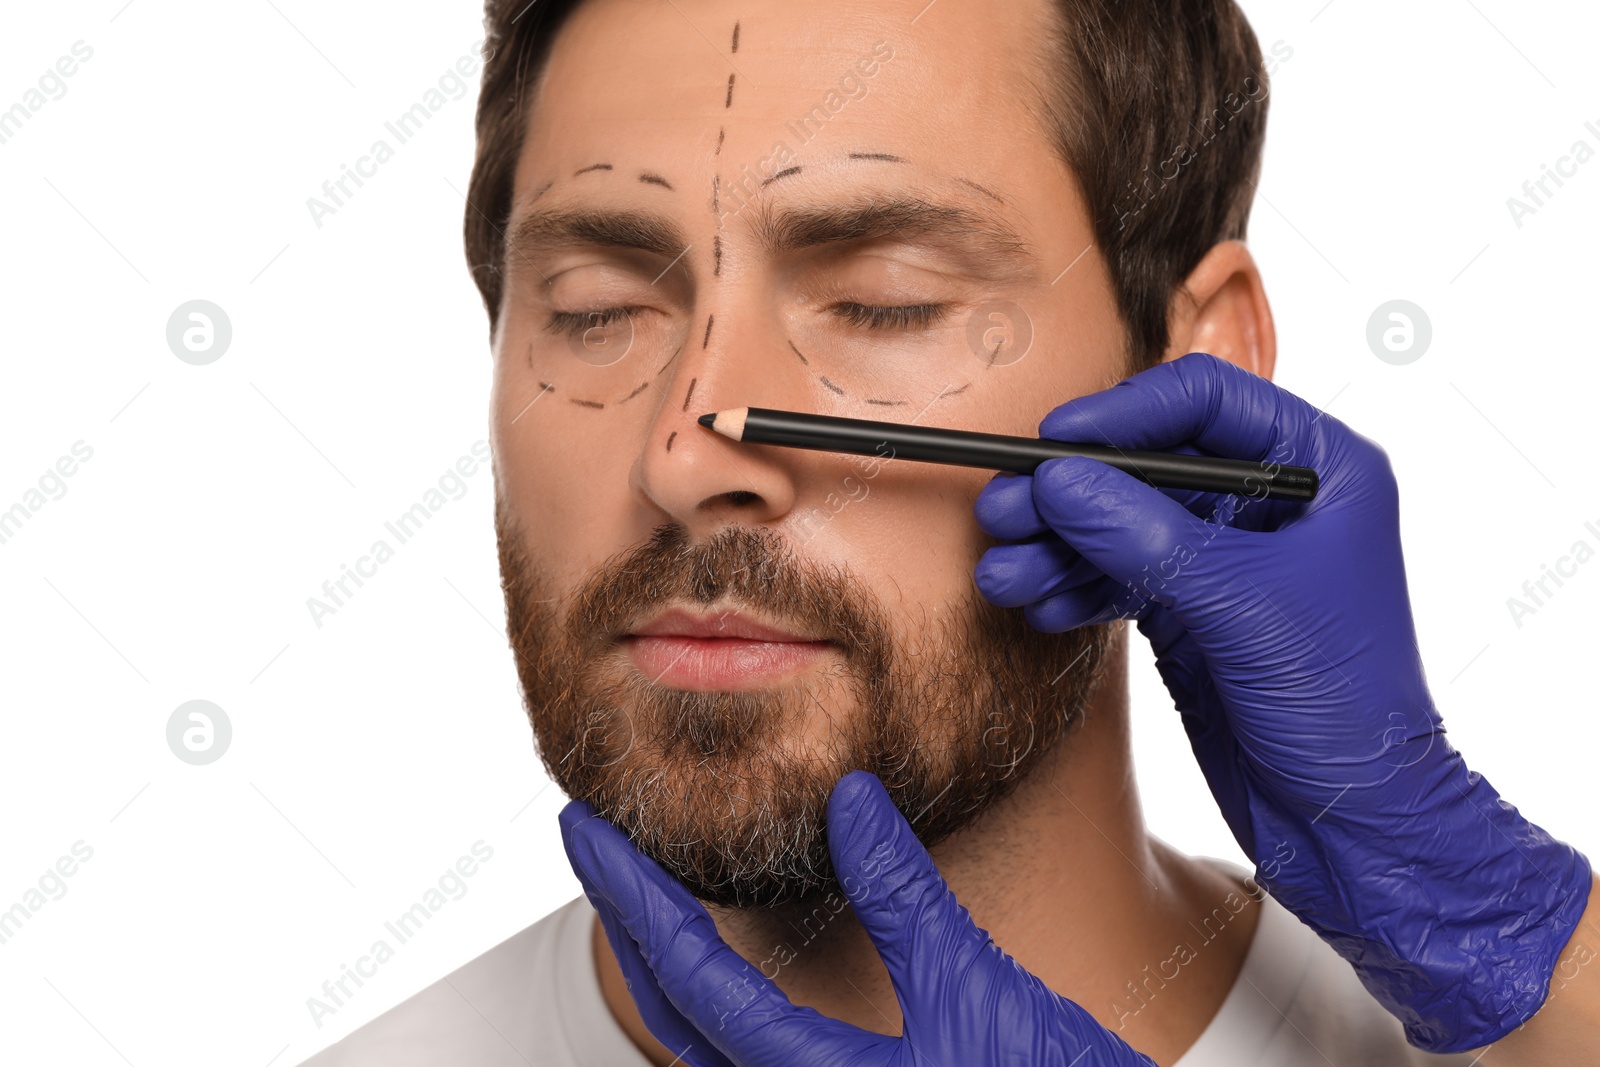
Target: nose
x: 696, y: 476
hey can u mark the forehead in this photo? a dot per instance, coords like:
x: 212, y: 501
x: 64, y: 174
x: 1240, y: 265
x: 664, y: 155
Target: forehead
x: 948, y: 86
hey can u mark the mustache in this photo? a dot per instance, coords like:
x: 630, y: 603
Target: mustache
x: 741, y: 567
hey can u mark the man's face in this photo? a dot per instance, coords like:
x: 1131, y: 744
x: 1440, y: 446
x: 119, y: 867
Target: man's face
x: 752, y: 197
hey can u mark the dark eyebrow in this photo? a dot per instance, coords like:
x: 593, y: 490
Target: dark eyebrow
x: 980, y: 242
x: 542, y: 231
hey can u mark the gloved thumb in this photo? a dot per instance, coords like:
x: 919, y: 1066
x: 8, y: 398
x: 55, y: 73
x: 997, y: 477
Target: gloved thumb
x: 922, y: 933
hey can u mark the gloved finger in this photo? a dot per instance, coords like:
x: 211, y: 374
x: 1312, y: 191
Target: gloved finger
x: 1136, y: 535
x: 1197, y: 398
x: 743, y: 1013
x: 1010, y: 576
x: 663, y: 1019
x: 1102, y: 600
x: 1004, y: 508
x: 923, y: 934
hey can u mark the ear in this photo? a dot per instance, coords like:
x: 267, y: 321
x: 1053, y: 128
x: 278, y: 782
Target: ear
x: 1222, y: 309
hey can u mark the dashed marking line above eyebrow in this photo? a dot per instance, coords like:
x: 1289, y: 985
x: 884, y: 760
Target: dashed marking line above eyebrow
x: 689, y: 394
x: 781, y: 174
x: 547, y: 387
x: 882, y: 157
x: 670, y: 436
x: 709, y: 320
x: 830, y: 385
x: 729, y: 101
x: 801, y: 354
x: 545, y: 188
x: 996, y: 197
x: 642, y: 387
x: 886, y: 403
x: 953, y: 392
x: 587, y: 403
x: 592, y: 166
x: 655, y: 179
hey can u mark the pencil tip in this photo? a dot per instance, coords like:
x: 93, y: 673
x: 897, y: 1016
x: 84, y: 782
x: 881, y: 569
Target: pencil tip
x: 708, y: 419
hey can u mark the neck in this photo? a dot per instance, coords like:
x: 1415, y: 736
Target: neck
x: 1100, y: 911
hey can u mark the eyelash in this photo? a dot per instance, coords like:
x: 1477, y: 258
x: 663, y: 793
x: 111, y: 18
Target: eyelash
x: 866, y: 316
x: 897, y: 317
x: 575, y: 323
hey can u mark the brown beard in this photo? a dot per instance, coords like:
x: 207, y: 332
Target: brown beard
x: 724, y: 789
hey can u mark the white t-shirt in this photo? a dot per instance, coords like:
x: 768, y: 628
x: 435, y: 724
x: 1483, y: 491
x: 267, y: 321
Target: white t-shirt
x: 534, y: 1000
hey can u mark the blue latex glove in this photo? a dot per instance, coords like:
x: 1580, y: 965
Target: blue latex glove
x: 1283, y: 632
x: 964, y: 1001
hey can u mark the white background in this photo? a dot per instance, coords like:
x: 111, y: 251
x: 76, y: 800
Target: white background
x: 369, y: 754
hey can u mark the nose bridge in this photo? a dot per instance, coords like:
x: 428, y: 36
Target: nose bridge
x: 726, y: 361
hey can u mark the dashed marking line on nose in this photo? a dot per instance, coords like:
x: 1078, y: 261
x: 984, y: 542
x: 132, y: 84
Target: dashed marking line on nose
x: 642, y: 387
x: 735, y: 37
x: 716, y: 256
x: 721, y: 133
x: 830, y: 385
x: 709, y: 320
x: 799, y: 353
x: 670, y: 436
x: 729, y: 101
x: 689, y: 394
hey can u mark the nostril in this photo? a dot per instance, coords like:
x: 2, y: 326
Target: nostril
x: 743, y: 496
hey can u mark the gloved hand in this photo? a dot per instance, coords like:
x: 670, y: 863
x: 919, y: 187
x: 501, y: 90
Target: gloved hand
x: 1283, y: 632
x: 964, y: 1001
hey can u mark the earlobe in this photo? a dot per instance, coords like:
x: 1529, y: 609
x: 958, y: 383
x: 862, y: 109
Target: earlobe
x: 1222, y: 309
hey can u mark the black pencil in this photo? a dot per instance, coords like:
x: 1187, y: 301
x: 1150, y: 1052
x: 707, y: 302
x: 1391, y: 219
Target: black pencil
x: 932, y: 444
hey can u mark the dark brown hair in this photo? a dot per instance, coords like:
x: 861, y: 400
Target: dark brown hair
x: 1159, y: 107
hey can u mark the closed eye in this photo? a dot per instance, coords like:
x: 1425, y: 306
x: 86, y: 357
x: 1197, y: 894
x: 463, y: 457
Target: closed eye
x: 897, y: 317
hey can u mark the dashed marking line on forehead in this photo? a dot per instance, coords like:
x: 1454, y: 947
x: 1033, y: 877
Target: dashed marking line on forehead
x: 729, y: 101
x: 716, y: 197
x: 655, y: 179
x: 722, y: 132
x: 881, y: 157
x: 716, y: 256
x: 597, y: 405
x: 641, y: 388
x: 735, y: 37
x: 830, y: 385
x: 590, y: 167
x: 885, y: 403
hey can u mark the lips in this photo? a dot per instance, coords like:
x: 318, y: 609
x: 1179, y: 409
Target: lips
x: 722, y: 651
x: 728, y: 625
